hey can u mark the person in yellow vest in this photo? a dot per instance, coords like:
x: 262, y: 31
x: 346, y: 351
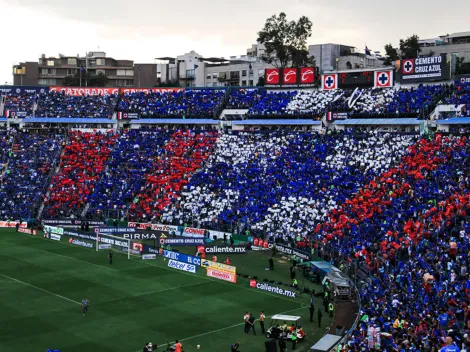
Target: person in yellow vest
x: 214, y: 258
x: 261, y: 321
x: 331, y: 308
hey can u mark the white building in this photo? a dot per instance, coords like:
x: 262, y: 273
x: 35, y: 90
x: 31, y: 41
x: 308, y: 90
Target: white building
x: 457, y: 44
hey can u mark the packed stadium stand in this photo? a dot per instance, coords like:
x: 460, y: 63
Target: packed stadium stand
x: 395, y: 206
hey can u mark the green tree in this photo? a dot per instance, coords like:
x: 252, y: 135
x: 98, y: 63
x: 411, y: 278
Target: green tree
x: 286, y: 42
x: 261, y: 81
x: 86, y: 79
x: 391, y: 55
x: 410, y: 47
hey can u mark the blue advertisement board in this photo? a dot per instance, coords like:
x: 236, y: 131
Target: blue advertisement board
x: 184, y: 258
x: 184, y: 241
x: 22, y: 89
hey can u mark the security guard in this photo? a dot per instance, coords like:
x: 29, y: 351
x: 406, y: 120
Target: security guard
x: 261, y: 321
x: 331, y: 308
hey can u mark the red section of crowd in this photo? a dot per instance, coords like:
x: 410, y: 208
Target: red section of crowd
x: 374, y: 198
x: 81, y: 164
x: 182, y: 156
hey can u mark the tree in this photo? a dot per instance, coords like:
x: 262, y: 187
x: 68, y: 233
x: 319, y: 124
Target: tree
x: 461, y: 67
x: 286, y: 42
x: 410, y: 47
x: 261, y: 81
x: 391, y: 55
x: 86, y: 79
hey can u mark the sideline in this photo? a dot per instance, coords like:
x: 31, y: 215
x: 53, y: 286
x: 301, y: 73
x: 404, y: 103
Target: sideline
x: 223, y: 329
x: 40, y: 289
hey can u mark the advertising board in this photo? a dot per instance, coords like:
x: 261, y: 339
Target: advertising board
x: 190, y: 268
x: 222, y: 275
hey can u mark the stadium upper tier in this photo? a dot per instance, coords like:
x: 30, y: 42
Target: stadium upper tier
x: 258, y: 102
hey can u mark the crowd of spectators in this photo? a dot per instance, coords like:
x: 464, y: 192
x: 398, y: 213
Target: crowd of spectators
x: 81, y: 165
x: 179, y: 159
x: 59, y: 104
x: 135, y: 154
x: 20, y: 102
x: 31, y: 158
x: 173, y: 104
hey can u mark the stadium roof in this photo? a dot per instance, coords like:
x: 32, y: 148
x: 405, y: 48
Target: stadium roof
x: 396, y: 121
x: 174, y: 122
x: 67, y: 120
x: 277, y: 122
x: 214, y: 59
x: 455, y: 121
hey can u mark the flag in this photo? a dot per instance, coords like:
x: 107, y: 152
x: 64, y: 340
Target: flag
x: 368, y: 53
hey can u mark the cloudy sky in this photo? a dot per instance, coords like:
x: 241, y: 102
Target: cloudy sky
x: 141, y: 30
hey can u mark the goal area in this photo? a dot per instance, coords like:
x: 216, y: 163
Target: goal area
x: 118, y: 244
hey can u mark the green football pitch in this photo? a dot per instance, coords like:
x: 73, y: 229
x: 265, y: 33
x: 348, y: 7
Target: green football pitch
x: 42, y: 283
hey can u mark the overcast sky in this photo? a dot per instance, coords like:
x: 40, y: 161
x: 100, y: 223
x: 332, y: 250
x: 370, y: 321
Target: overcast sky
x: 141, y: 30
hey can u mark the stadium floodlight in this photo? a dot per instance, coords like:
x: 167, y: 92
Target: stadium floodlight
x: 124, y: 245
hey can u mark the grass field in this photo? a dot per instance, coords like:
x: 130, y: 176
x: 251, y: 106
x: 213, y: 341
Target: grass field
x: 131, y: 302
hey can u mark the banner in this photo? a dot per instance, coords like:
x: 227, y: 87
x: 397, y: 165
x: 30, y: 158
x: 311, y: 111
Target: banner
x: 104, y: 246
x: 28, y: 231
x: 12, y: 224
x: 146, y: 249
x: 142, y: 236
x: 332, y: 116
x: 222, y: 275
x: 4, y: 90
x: 329, y: 81
x: 115, y: 230
x: 84, y: 236
x: 373, y: 337
x: 148, y: 90
x: 127, y: 115
x: 223, y: 249
x: 383, y: 79
x: 291, y: 77
x: 81, y: 243
x: 71, y: 222
x: 55, y: 237
x: 154, y: 227
x: 184, y: 258
x: 462, y: 79
x: 283, y: 249
x: 82, y: 91
x: 53, y: 229
x: 269, y: 288
x: 149, y: 256
x: 218, y: 266
x: 190, y: 268
x: 193, y: 232
x: 113, y: 241
x: 184, y: 241
x: 424, y: 69
x: 14, y: 114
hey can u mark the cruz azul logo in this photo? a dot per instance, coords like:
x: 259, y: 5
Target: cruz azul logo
x: 272, y: 76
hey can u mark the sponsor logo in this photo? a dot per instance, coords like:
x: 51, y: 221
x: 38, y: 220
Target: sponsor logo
x: 11, y: 224
x: 290, y: 75
x: 153, y: 227
x: 149, y: 256
x: 104, y: 246
x: 283, y: 249
x: 218, y: 266
x: 182, y: 266
x: 115, y: 229
x: 53, y: 229
x: 112, y: 241
x: 55, y: 237
x: 80, y: 243
x: 222, y: 275
x: 269, y: 288
x: 184, y: 241
x: 307, y: 75
x: 272, y: 76
x: 329, y: 82
x: 194, y: 232
x: 225, y: 250
x: 141, y: 236
x: 28, y: 231
x: 182, y: 257
x: 79, y: 235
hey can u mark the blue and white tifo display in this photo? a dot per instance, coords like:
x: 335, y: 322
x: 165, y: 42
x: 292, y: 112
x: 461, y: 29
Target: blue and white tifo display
x: 190, y: 268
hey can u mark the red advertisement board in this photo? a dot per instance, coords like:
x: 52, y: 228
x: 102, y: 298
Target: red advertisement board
x: 222, y: 275
x: 81, y: 91
x: 272, y: 76
x: 289, y: 76
x: 307, y: 75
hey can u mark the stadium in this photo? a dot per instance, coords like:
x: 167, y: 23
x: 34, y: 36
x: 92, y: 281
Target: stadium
x: 326, y: 209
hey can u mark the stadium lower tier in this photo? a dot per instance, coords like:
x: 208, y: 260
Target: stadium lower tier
x: 395, y: 205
